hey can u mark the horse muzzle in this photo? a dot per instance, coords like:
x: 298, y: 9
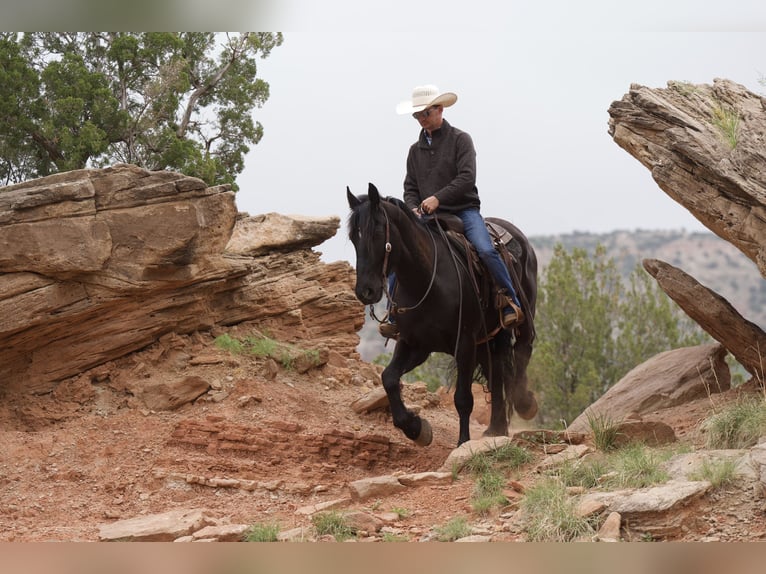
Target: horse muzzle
x: 368, y: 294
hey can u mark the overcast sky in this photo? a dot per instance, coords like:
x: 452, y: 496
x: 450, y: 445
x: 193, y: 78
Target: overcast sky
x: 534, y: 86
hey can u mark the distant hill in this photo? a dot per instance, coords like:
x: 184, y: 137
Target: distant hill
x: 712, y: 261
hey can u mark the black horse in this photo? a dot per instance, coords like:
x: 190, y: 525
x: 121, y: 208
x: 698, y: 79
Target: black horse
x: 438, y: 308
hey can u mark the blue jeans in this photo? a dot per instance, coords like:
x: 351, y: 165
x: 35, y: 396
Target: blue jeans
x: 476, y: 232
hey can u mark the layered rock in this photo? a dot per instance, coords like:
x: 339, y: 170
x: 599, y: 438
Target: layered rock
x: 98, y: 263
x: 704, y: 146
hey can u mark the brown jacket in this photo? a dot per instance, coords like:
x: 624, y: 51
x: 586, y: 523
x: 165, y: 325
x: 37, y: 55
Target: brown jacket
x: 446, y: 169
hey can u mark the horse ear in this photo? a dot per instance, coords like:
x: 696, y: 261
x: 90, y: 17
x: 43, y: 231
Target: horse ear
x: 353, y: 200
x: 373, y: 193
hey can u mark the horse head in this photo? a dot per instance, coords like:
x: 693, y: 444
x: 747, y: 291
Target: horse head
x: 368, y: 231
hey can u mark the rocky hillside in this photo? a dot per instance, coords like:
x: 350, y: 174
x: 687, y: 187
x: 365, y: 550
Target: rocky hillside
x: 712, y: 261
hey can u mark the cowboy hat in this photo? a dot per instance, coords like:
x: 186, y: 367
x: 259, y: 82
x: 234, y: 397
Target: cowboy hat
x: 424, y: 97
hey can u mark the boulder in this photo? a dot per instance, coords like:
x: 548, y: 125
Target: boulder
x: 666, y: 380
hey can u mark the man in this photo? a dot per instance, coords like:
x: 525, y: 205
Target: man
x: 441, y: 176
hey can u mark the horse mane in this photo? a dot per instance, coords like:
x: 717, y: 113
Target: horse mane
x: 362, y: 219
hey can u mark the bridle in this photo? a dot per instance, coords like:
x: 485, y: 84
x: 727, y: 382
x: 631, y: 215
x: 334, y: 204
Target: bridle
x: 396, y: 309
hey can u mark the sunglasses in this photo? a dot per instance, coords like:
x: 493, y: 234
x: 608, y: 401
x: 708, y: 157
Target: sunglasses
x: 424, y: 113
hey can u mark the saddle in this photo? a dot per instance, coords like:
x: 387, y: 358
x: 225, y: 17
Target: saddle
x: 506, y: 245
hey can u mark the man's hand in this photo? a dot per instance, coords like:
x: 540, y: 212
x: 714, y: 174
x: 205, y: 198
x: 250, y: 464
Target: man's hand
x: 429, y: 204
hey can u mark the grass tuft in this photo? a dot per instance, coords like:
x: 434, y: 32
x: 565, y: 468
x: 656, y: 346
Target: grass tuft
x: 334, y: 524
x: 262, y: 533
x: 717, y: 472
x: 453, y: 530
x: 605, y: 430
x: 551, y: 514
x: 739, y: 425
x: 727, y: 120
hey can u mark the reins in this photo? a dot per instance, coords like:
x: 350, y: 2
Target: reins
x: 388, y: 247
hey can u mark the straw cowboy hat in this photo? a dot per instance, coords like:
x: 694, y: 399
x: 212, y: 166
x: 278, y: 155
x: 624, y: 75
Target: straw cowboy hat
x: 424, y: 97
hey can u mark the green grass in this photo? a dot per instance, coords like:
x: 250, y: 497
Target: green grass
x: 585, y: 473
x: 604, y: 429
x: 718, y: 472
x: 637, y: 466
x: 490, y: 469
x: 334, y: 524
x: 551, y: 514
x: 229, y: 343
x: 401, y: 512
x: 389, y: 537
x: 727, y: 120
x: 263, y: 346
x: 739, y: 425
x: 488, y: 492
x: 262, y: 533
x: 633, y: 466
x: 453, y: 530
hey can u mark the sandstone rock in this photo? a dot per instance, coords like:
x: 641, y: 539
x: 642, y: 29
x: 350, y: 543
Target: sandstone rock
x: 169, y: 396
x: 572, y: 452
x: 375, y: 399
x: 743, y: 339
x: 610, y: 530
x: 659, y: 510
x: 263, y: 234
x: 98, y: 263
x: 687, y: 466
x: 299, y: 534
x: 668, y: 379
x: 672, y: 132
x: 323, y: 506
x: 426, y: 478
x: 362, y: 521
x: 377, y: 486
x: 758, y: 462
x: 590, y: 507
x: 222, y: 533
x: 459, y: 456
x: 650, y: 433
x: 717, y: 176
x: 163, y: 527
x: 475, y: 538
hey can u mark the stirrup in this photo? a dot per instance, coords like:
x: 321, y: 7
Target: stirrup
x: 389, y: 330
x: 511, y: 319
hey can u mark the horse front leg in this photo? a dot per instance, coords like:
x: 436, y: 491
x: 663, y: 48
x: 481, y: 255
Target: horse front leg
x: 404, y: 360
x: 466, y: 364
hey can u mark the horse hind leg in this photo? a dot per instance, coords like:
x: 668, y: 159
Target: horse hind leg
x: 524, y: 401
x: 499, y: 415
x: 466, y: 364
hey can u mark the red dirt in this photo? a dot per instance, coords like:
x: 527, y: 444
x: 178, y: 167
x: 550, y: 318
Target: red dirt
x: 91, y: 452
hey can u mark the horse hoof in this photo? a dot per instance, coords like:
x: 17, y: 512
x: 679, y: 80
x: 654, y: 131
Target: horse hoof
x: 528, y: 411
x: 494, y: 432
x: 426, y: 435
